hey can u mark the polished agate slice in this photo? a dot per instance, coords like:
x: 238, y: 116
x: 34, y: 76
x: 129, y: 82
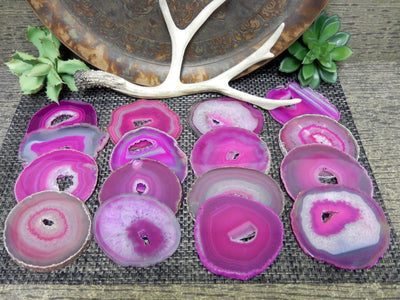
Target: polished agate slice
x: 65, y: 170
x: 47, y: 230
x: 310, y: 165
x: 243, y: 182
x: 66, y: 112
x: 82, y: 137
x: 340, y: 226
x: 144, y: 177
x: 229, y: 146
x: 318, y: 129
x: 312, y: 102
x: 150, y: 143
x: 237, y: 237
x: 136, y: 230
x: 224, y: 112
x: 151, y: 113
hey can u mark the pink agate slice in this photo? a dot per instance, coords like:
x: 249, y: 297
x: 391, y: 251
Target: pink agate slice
x: 312, y: 102
x: 229, y: 146
x: 246, y: 183
x: 340, y: 226
x: 144, y: 177
x: 318, y: 129
x: 82, y: 137
x: 306, y: 166
x: 141, y: 113
x: 66, y: 112
x: 150, y: 143
x: 228, y: 112
x: 49, y: 170
x: 136, y: 230
x: 47, y: 230
x: 236, y: 237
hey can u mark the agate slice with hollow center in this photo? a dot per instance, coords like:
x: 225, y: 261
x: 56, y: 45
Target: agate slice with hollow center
x: 229, y: 146
x: 136, y: 230
x: 144, y: 177
x: 224, y: 112
x: 237, y: 237
x: 243, y: 182
x: 47, y: 230
x: 151, y: 113
x: 340, y: 226
x: 59, y: 170
x: 307, y: 166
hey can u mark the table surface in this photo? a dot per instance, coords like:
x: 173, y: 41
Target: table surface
x: 371, y: 82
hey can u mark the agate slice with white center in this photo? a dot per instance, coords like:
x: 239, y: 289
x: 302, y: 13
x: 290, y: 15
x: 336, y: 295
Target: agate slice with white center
x: 237, y: 237
x: 151, y: 113
x: 47, y: 230
x: 59, y: 170
x: 310, y: 165
x: 224, y: 112
x: 243, y: 182
x: 340, y: 226
x: 136, y: 230
x: 144, y: 177
x: 229, y: 146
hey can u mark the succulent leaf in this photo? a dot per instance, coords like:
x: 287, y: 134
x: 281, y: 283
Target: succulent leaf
x: 313, y: 82
x: 53, y: 91
x: 70, y: 66
x: 341, y: 53
x: 308, y: 70
x: 329, y: 77
x: 31, y: 85
x: 19, y: 67
x: 289, y: 64
x: 298, y: 50
x: 40, y: 69
x: 340, y: 39
x: 69, y: 81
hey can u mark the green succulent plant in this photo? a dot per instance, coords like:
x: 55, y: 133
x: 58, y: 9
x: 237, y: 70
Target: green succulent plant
x: 316, y: 52
x: 46, y: 70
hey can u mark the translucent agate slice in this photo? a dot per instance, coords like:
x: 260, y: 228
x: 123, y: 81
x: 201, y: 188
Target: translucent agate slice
x: 309, y: 129
x: 151, y: 113
x: 237, y: 237
x: 312, y: 102
x: 82, y: 137
x: 66, y: 170
x: 47, y: 230
x: 306, y: 166
x: 66, y: 112
x: 243, y: 182
x: 144, y: 177
x: 136, y: 230
x: 227, y: 112
x: 229, y: 146
x: 150, y: 143
x: 340, y: 226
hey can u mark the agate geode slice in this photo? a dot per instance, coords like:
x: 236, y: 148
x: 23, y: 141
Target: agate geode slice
x: 136, y: 230
x: 151, y: 113
x: 317, y: 165
x: 246, y: 183
x: 340, y: 226
x: 224, y: 112
x: 229, y: 146
x: 237, y: 237
x: 144, y: 177
x: 47, y: 230
x: 65, y: 170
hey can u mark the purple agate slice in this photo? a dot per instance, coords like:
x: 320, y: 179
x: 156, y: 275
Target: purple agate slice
x: 237, y: 237
x: 340, y: 226
x: 312, y: 102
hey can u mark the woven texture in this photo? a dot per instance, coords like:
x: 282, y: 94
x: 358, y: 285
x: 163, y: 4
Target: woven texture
x: 93, y: 267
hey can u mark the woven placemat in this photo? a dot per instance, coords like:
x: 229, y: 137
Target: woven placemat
x: 93, y: 267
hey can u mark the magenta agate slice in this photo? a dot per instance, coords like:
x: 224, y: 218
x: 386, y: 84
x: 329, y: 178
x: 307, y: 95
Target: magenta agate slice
x: 237, y: 237
x: 136, y: 230
x: 229, y: 146
x: 340, y: 226
x: 310, y: 165
x: 312, y: 102
x: 247, y: 183
x: 151, y: 113
x: 73, y: 171
x: 47, y: 230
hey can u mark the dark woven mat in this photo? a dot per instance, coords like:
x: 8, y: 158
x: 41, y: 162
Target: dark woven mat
x: 93, y: 267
